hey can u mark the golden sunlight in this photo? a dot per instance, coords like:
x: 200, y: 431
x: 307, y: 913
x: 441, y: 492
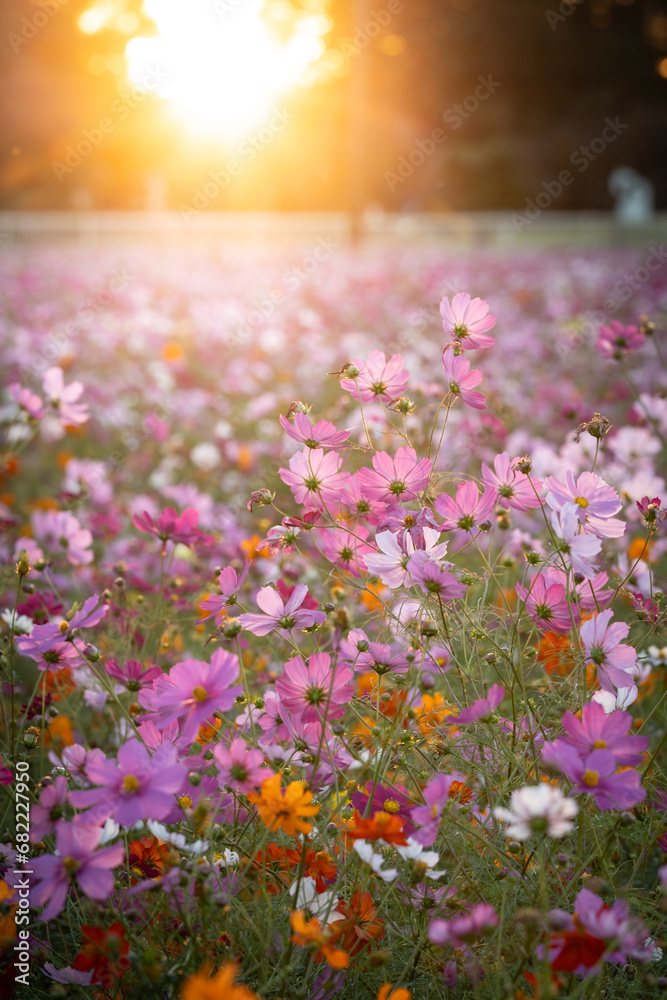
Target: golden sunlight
x: 223, y: 64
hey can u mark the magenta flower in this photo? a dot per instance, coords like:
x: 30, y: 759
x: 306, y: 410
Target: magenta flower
x: 279, y: 615
x: 192, y: 692
x: 596, y: 730
x: 43, y: 637
x: 514, y: 488
x: 345, y: 548
x: 63, y: 398
x: 174, y: 527
x: 628, y: 936
x: 133, y: 787
x: 463, y: 929
x: 319, y: 691
x: 323, y: 434
x: 61, y: 531
x: 27, y: 400
x: 461, y: 380
x: 398, y: 478
x: 616, y: 340
x: 615, y: 660
x: 51, y: 809
x: 377, y: 378
x: 240, y: 769
x: 380, y: 657
x: 393, y: 800
x: 77, y: 861
x: 314, y: 477
x: 470, y: 509
x: 53, y: 656
x: 132, y: 675
x: 651, y: 510
x: 439, y: 792
x: 230, y: 585
x: 467, y: 321
x: 596, y: 775
x: 271, y: 721
x: 547, y: 605
x: 483, y: 707
x: 432, y: 576
x: 595, y: 500
x: 402, y: 522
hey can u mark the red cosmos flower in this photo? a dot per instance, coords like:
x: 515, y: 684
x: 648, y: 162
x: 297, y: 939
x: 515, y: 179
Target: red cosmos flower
x: 146, y: 857
x: 359, y: 926
x: 104, y: 954
x: 383, y: 826
x: 575, y: 951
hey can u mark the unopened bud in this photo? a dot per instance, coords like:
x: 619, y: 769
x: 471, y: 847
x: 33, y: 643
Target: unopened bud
x: 261, y: 497
x: 91, y: 652
x: 31, y: 737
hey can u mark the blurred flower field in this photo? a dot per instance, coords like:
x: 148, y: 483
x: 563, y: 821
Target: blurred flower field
x: 333, y: 624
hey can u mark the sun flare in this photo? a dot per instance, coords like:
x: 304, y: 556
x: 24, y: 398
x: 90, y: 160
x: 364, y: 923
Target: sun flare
x: 226, y: 63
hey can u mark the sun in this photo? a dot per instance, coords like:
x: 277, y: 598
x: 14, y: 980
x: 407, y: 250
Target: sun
x: 225, y: 64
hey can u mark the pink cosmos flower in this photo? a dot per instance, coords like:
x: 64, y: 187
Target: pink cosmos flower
x: 461, y: 380
x: 319, y: 691
x: 469, y: 510
x: 547, y: 605
x: 133, y: 676
x: 77, y: 860
x: 596, y: 730
x: 574, y: 545
x: 616, y: 661
x: 60, y: 531
x: 377, y: 378
x: 192, y: 691
x: 404, y: 522
x: 464, y: 928
x: 595, y: 774
x: 279, y: 615
x: 133, y: 787
x: 437, y: 795
x: 42, y: 637
x: 398, y: 478
x: 391, y: 562
x: 514, y: 488
x: 174, y: 527
x: 467, y: 321
x: 652, y: 511
x: 323, y: 434
x: 615, y: 340
x: 27, y: 400
x: 271, y: 722
x: 432, y: 575
x: 483, y: 707
x: 53, y: 656
x: 240, y: 769
x: 346, y: 548
x: 45, y: 816
x: 63, y: 398
x: 595, y: 500
x: 357, y: 503
x: 230, y: 585
x: 314, y: 477
x: 380, y: 657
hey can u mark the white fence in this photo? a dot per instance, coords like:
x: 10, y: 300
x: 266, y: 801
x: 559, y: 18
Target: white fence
x: 448, y: 230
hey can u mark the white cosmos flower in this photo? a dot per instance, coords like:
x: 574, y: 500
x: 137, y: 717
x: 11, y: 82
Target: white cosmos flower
x: 317, y: 903
x: 610, y: 702
x: 428, y: 859
x: 538, y: 809
x: 367, y: 854
x: 177, y: 840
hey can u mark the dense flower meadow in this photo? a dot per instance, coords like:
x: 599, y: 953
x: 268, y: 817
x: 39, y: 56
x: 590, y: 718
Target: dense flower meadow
x: 333, y: 647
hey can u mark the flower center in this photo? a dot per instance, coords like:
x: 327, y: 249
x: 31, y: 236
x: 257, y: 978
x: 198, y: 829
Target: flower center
x: 397, y: 487
x: 409, y: 521
x: 314, y: 695
x: 185, y: 802
x: 506, y: 491
x: 287, y: 621
x: 378, y: 388
x: 590, y: 778
x: 71, y: 865
x: 461, y: 330
x: 311, y: 443
x: 199, y: 693
x: 597, y: 655
x: 454, y: 387
x: 391, y: 806
x: 238, y: 772
x: 582, y: 501
x: 346, y: 554
x: 544, y: 611
x: 130, y: 784
x: 600, y: 745
x: 311, y: 483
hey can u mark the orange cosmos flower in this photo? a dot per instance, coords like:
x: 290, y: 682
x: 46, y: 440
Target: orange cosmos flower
x: 58, y: 733
x: 359, y: 926
x: 399, y: 994
x: 383, y: 826
x: 316, y: 864
x: 201, y: 986
x: 311, y: 933
x: 146, y: 857
x: 282, y: 809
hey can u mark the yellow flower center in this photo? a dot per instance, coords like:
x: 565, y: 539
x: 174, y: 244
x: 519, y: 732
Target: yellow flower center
x: 590, y: 778
x: 70, y: 865
x: 63, y: 627
x: 185, y: 802
x: 199, y: 693
x: 582, y: 501
x: 130, y: 783
x: 600, y: 745
x: 391, y: 806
